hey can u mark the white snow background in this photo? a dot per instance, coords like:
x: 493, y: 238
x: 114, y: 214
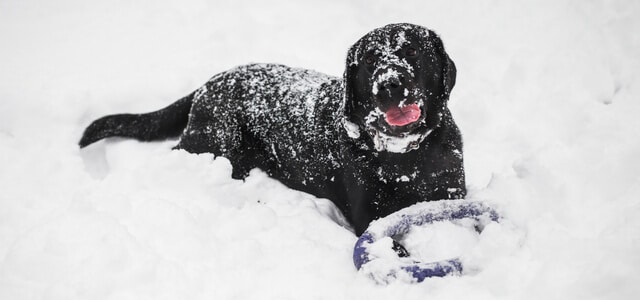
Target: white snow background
x: 546, y: 98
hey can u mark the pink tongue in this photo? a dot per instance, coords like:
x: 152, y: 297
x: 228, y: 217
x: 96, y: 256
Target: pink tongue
x: 400, y: 116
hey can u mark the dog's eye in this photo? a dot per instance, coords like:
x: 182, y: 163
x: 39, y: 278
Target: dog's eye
x: 412, y: 52
x: 369, y: 60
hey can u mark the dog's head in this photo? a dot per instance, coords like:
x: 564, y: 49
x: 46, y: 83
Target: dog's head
x: 397, y: 83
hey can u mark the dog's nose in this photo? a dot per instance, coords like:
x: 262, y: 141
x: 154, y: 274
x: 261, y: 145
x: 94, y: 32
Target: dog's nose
x: 391, y: 83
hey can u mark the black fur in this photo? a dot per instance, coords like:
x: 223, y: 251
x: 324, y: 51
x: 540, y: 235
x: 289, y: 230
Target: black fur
x: 325, y: 135
x: 165, y: 123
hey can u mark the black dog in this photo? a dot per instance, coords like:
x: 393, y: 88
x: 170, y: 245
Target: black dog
x: 380, y: 140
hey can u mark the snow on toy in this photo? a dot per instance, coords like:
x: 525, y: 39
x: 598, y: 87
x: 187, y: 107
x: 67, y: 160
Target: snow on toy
x: 383, y: 232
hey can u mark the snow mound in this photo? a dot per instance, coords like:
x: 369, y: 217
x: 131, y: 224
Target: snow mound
x: 546, y: 99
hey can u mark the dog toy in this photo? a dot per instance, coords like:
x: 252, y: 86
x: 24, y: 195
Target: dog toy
x: 383, y: 269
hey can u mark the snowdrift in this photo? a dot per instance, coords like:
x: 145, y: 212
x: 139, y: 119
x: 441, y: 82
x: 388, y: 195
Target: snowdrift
x: 546, y: 99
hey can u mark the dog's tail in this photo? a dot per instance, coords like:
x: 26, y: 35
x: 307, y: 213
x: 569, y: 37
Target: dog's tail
x: 165, y: 123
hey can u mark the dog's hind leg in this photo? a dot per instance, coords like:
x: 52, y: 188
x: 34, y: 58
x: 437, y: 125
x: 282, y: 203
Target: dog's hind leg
x: 165, y: 123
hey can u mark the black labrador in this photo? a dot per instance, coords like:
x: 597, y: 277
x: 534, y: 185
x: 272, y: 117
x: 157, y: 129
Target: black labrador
x: 376, y: 141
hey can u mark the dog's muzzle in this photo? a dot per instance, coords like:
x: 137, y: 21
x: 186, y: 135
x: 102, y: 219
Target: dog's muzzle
x: 391, y: 86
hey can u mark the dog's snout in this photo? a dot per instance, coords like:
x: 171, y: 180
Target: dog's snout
x: 391, y: 84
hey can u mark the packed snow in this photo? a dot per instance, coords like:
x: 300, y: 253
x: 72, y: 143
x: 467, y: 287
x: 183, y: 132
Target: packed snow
x: 546, y: 99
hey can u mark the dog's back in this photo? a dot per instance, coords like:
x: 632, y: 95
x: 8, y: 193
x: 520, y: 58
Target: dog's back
x: 283, y: 120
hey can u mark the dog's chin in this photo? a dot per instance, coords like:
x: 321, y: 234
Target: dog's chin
x: 398, y: 139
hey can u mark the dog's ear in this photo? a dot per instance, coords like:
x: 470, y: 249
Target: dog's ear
x: 449, y: 70
x: 349, y: 99
x: 450, y: 74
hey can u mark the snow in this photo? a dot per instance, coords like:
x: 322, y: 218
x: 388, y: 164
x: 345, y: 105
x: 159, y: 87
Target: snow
x: 395, y: 144
x: 352, y: 129
x: 545, y: 98
x: 435, y: 243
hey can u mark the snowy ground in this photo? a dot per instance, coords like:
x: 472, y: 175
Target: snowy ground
x: 546, y: 98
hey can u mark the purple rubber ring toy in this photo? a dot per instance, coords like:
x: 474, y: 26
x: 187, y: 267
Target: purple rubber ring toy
x: 424, y: 213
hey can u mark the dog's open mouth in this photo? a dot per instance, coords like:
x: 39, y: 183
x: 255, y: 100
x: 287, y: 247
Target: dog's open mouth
x: 403, y: 115
x: 398, y: 128
x: 398, y: 120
